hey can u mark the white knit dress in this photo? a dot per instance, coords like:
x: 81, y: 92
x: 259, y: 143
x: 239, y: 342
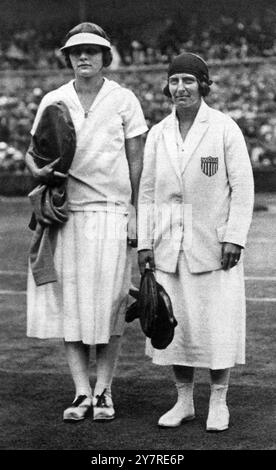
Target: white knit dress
x: 88, y: 301
x: 92, y: 258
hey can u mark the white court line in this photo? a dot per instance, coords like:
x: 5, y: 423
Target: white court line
x: 260, y: 278
x: 12, y: 292
x: 20, y: 273
x: 247, y: 278
x: 260, y: 240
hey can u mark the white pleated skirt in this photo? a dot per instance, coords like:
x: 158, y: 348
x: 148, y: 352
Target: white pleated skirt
x: 211, y: 315
x: 89, y: 300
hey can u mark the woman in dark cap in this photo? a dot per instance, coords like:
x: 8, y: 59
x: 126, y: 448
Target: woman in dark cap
x: 86, y: 306
x: 195, y: 209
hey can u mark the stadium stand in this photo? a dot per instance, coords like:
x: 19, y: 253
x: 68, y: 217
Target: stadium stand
x: 240, y: 48
x: 248, y: 95
x: 227, y: 38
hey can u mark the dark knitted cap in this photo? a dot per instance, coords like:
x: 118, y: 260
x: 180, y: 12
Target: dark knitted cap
x: 187, y: 62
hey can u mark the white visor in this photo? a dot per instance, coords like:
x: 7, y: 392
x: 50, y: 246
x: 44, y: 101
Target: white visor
x: 86, y: 38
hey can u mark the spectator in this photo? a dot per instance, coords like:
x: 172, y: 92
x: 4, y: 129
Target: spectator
x: 227, y: 38
x: 248, y: 95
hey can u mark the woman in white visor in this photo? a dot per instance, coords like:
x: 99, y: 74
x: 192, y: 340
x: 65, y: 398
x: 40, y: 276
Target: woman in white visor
x: 86, y: 306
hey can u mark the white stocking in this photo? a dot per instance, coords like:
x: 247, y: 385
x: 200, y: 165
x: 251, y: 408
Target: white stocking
x: 77, y: 355
x: 106, y: 359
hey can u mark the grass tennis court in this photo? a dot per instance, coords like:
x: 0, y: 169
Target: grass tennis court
x: 36, y: 385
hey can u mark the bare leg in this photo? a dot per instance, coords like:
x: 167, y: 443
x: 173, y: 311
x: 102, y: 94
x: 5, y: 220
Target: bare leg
x: 220, y: 377
x: 184, y: 374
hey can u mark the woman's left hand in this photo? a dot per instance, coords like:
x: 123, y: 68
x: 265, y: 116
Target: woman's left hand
x: 230, y: 255
x: 132, y: 228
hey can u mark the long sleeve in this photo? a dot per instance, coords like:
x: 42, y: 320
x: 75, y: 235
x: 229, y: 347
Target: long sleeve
x: 146, y: 197
x: 241, y: 182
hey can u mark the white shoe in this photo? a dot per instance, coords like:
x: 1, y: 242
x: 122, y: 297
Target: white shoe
x: 177, y: 415
x: 218, y: 416
x: 79, y: 409
x: 103, y: 408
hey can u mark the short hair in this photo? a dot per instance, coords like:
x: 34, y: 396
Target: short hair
x: 88, y: 28
x: 203, y: 88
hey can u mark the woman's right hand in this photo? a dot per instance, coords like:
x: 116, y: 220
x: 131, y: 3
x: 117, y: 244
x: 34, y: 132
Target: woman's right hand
x: 47, y: 174
x: 144, y: 257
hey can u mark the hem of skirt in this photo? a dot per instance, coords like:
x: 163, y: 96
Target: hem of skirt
x: 198, y: 364
x: 84, y: 341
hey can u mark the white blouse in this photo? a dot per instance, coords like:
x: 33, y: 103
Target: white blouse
x: 99, y: 174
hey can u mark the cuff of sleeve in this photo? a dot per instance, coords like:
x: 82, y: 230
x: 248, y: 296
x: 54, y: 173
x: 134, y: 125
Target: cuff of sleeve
x: 144, y: 246
x: 231, y: 238
x: 137, y: 132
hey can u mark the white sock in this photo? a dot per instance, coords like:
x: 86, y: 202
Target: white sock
x: 218, y: 393
x: 185, y: 391
x: 100, y: 387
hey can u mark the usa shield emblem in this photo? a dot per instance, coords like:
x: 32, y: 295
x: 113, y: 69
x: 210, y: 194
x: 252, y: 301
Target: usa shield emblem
x: 209, y: 165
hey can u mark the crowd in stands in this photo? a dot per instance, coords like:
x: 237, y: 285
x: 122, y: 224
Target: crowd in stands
x: 248, y: 95
x: 226, y: 38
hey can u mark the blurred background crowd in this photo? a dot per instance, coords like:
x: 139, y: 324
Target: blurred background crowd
x: 224, y: 39
x: 240, y: 49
